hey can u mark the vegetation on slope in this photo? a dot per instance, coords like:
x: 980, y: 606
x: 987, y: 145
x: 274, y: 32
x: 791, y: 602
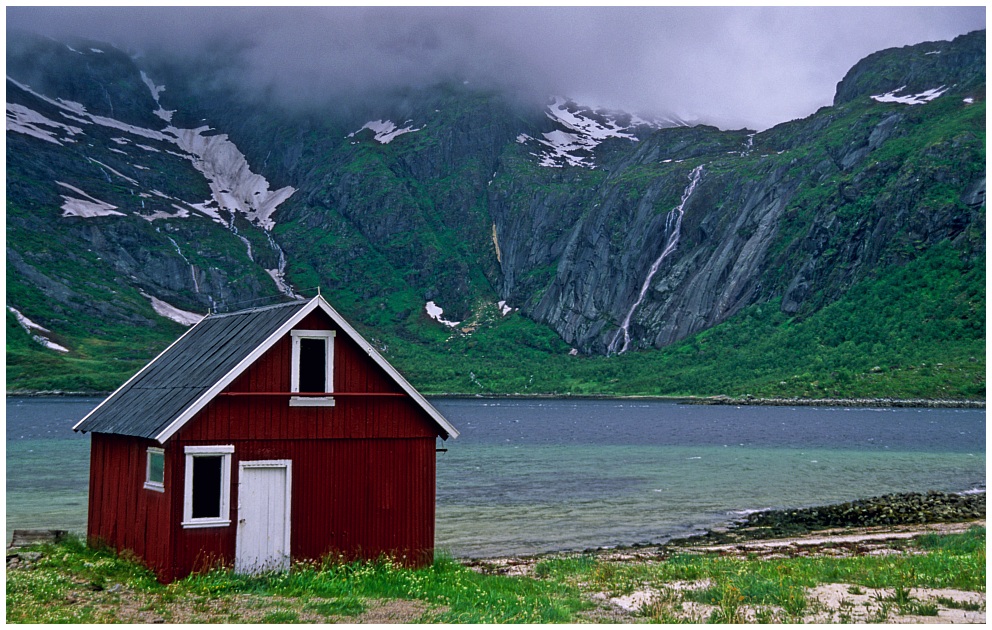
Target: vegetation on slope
x: 916, y: 331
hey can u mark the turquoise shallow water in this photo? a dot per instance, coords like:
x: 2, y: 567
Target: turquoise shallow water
x: 545, y: 498
x: 533, y: 476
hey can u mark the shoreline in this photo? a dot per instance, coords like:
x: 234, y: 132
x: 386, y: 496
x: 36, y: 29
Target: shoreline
x: 719, y: 399
x: 930, y: 403
x: 918, y: 512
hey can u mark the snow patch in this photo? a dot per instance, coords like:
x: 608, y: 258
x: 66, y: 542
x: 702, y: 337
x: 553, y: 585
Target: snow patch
x: 434, y: 312
x: 181, y: 213
x: 168, y: 311
x: 912, y: 99
x: 592, y: 128
x: 503, y: 307
x: 580, y: 130
x: 26, y: 323
x: 206, y: 209
x: 385, y: 130
x: 29, y: 325
x: 969, y: 100
x: 21, y: 119
x: 233, y: 185
x: 129, y: 180
x: 48, y: 343
x: 156, y: 90
x: 86, y: 208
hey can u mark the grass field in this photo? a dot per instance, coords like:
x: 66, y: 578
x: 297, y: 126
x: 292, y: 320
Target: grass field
x: 930, y: 576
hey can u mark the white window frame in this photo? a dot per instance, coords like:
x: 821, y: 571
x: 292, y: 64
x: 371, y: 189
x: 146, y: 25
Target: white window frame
x: 226, y: 451
x: 158, y: 486
x: 294, y: 383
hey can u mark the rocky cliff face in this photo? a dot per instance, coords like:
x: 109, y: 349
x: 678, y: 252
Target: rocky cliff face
x: 798, y: 213
x: 133, y: 184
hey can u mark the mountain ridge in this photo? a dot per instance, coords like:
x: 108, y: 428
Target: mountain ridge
x: 437, y: 200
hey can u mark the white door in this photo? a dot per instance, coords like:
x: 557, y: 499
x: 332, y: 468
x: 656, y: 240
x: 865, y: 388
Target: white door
x: 264, y: 501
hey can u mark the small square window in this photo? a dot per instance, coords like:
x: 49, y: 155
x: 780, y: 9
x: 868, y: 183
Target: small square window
x: 155, y: 469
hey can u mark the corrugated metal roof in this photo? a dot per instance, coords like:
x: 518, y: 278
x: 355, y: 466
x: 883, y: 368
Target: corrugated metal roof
x: 170, y: 390
x: 174, y: 380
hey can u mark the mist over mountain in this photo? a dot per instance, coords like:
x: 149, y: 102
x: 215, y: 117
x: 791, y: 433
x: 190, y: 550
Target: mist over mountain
x: 732, y: 67
x: 488, y: 240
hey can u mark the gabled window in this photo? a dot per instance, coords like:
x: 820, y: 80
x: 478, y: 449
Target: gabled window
x: 155, y: 469
x: 312, y: 367
x: 207, y: 497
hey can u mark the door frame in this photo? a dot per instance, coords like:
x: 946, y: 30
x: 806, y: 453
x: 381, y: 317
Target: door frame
x: 287, y: 464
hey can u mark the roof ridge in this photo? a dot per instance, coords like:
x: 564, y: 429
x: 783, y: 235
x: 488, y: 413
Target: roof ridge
x: 257, y: 309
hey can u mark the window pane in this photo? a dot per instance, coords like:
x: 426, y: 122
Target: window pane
x: 206, y: 487
x: 313, y: 365
x: 156, y: 467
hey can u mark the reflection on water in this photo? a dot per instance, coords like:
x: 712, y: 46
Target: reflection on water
x: 530, y: 476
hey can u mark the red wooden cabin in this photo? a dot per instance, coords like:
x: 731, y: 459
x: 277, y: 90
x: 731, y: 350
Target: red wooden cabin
x: 260, y: 437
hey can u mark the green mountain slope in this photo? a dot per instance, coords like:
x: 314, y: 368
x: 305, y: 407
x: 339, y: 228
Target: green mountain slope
x: 580, y: 252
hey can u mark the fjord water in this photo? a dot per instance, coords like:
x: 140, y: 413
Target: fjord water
x: 529, y: 476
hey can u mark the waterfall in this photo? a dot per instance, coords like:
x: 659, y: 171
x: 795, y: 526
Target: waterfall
x: 748, y: 145
x: 234, y: 230
x: 192, y: 269
x: 278, y: 274
x: 673, y: 228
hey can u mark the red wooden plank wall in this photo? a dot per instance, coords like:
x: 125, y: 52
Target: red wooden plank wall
x: 357, y: 498
x: 122, y: 512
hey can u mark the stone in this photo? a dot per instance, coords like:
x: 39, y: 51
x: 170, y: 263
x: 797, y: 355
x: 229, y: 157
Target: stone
x: 29, y: 537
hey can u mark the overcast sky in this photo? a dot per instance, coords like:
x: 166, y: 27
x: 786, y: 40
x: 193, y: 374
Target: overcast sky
x: 733, y: 67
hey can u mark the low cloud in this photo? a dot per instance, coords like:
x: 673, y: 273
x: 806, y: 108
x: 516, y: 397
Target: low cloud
x: 733, y: 67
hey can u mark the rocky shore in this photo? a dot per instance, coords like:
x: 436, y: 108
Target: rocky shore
x: 855, y: 531
x: 840, y: 402
x: 881, y: 513
x: 912, y: 508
